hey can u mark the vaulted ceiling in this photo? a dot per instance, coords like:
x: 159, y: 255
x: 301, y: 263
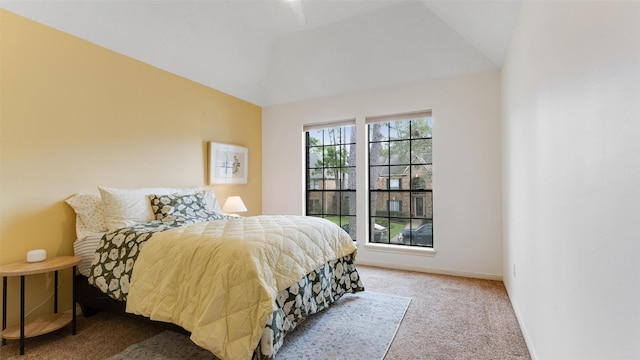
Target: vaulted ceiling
x: 257, y: 51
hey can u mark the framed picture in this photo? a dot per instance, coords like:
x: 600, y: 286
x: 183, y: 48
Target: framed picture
x: 227, y: 164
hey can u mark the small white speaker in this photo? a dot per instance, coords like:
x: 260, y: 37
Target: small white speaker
x: 36, y: 255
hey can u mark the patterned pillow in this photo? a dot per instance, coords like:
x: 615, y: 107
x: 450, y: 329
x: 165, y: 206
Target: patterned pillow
x: 89, y: 214
x: 190, y: 208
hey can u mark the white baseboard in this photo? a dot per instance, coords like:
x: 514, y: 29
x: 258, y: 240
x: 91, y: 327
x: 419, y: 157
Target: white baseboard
x: 430, y: 270
x: 523, y: 328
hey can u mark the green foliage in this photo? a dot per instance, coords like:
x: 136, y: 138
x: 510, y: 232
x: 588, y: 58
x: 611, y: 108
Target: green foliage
x: 334, y: 158
x: 313, y: 141
x: 416, y: 130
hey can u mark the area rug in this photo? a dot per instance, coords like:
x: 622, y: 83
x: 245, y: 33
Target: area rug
x: 357, y: 326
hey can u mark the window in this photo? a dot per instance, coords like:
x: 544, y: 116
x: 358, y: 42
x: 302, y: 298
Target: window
x: 400, y: 179
x: 315, y: 205
x: 395, y: 205
x: 331, y: 175
x: 314, y: 184
x: 394, y: 184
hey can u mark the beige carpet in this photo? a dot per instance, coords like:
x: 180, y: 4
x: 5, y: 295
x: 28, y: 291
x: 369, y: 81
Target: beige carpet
x: 448, y: 318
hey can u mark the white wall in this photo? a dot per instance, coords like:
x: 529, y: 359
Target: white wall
x: 571, y: 132
x: 466, y: 163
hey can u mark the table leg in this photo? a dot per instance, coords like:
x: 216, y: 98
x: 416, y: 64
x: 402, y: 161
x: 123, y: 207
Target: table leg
x: 55, y: 292
x: 4, y: 307
x: 73, y: 299
x: 22, y: 315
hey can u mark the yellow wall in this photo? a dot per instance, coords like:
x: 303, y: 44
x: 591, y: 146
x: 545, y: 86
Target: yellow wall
x: 74, y: 115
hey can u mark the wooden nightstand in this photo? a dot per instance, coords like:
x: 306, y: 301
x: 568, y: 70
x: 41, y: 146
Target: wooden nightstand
x: 43, y: 324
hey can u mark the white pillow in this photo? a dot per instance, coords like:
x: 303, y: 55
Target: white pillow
x: 89, y: 214
x: 210, y: 199
x: 128, y: 207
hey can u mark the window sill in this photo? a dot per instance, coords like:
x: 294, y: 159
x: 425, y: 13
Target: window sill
x: 400, y: 249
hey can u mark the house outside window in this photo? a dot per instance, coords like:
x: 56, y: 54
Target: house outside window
x: 400, y: 179
x: 331, y: 174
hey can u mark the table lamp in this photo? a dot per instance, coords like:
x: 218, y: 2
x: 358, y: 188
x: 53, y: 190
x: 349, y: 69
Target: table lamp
x: 233, y: 205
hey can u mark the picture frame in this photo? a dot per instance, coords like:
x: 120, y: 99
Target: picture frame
x: 228, y: 164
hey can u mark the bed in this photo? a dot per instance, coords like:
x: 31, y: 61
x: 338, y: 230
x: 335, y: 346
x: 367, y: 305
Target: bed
x: 238, y: 285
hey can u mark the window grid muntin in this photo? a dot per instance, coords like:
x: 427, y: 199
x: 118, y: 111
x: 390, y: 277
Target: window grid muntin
x: 317, y: 200
x: 386, y: 142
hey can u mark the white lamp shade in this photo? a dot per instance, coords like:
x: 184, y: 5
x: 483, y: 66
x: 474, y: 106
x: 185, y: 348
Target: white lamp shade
x: 233, y: 204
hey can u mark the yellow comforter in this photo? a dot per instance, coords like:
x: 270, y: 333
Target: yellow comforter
x: 219, y: 279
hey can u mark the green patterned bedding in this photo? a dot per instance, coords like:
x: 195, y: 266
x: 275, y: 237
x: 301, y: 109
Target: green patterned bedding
x: 117, y: 252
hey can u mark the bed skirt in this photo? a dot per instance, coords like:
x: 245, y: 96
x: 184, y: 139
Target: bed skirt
x: 311, y: 294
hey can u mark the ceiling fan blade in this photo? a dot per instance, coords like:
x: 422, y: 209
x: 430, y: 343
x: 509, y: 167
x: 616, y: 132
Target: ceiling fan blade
x: 296, y: 6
